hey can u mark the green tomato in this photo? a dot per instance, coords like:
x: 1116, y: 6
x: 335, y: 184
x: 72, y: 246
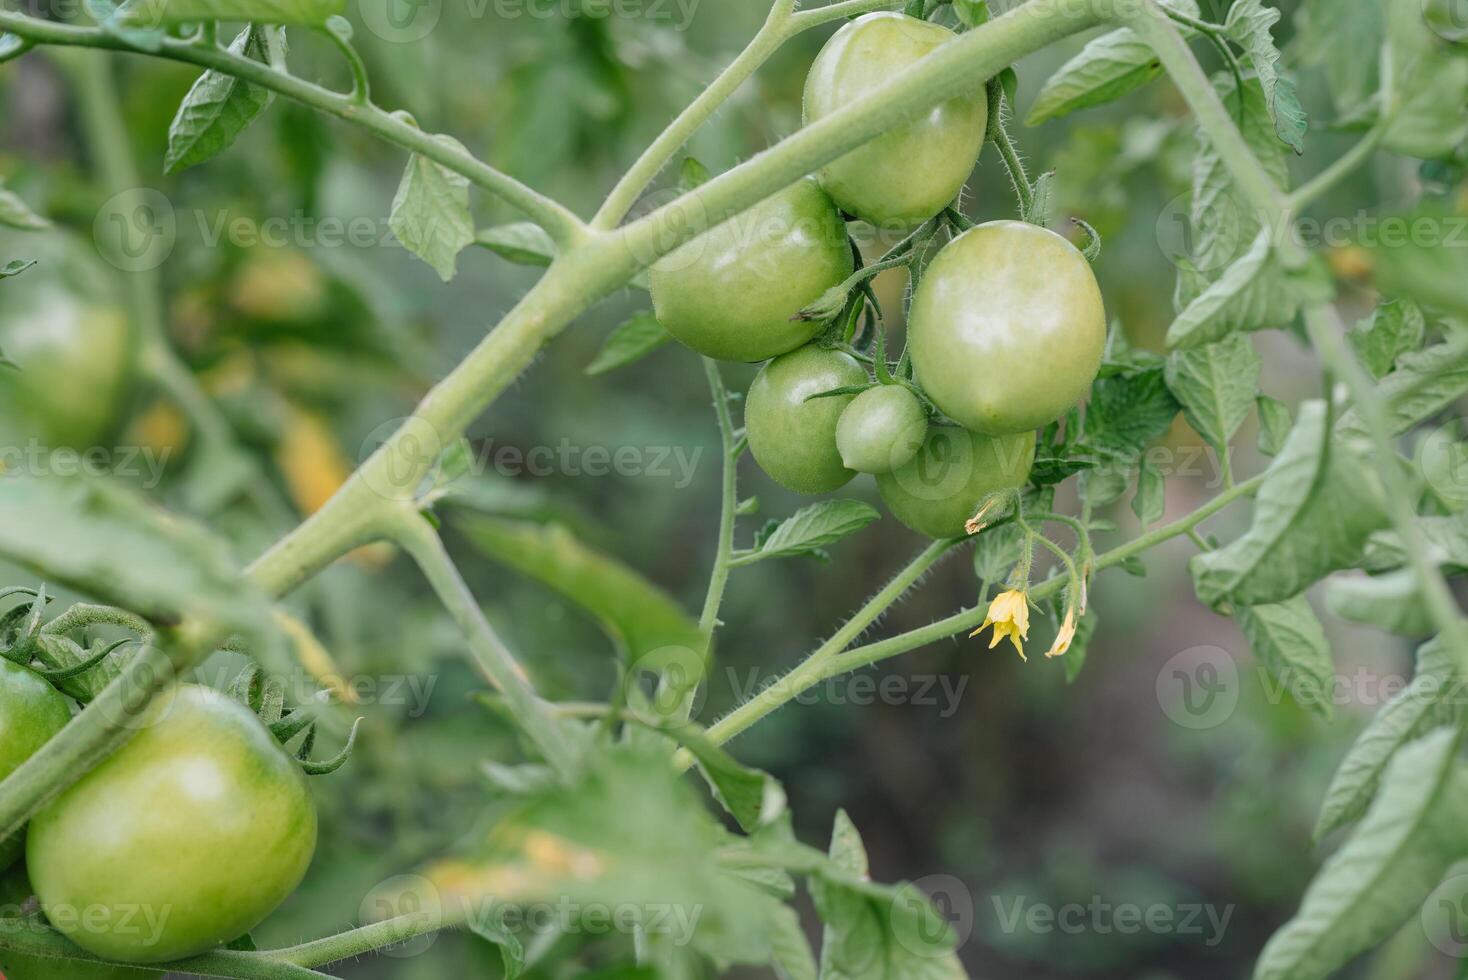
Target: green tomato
x: 941, y: 487
x: 730, y: 293
x: 31, y: 711
x: 60, y: 326
x: 1007, y: 328
x: 905, y: 176
x: 792, y: 439
x: 185, y: 838
x: 881, y: 429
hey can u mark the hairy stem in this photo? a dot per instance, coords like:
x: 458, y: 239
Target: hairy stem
x: 491, y: 655
x: 810, y: 669
x: 719, y: 577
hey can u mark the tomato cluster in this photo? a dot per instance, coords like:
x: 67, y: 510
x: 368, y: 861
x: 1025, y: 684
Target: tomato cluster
x: 1005, y: 327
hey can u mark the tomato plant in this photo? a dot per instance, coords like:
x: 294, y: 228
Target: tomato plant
x: 200, y: 820
x: 1289, y: 195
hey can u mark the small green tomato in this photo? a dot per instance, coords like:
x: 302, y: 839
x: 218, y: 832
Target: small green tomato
x: 792, y: 439
x: 881, y: 429
x: 940, y: 488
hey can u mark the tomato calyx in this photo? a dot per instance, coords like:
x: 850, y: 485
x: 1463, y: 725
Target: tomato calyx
x: 252, y: 689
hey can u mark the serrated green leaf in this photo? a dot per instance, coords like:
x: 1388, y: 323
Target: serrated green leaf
x: 14, y: 213
x: 154, y: 13
x: 1429, y: 263
x: 815, y: 526
x: 488, y: 924
x: 629, y: 342
x: 524, y: 243
x: 1419, y: 706
x: 1225, y: 223
x: 1396, y: 327
x: 1106, y: 69
x: 430, y: 212
x: 1274, y: 424
x: 1424, y: 383
x: 1252, y: 294
x: 1150, y: 500
x: 1383, y: 873
x: 1128, y: 411
x: 752, y: 797
x: 1319, y: 503
x: 216, y: 109
x: 1249, y: 23
x: 1289, y: 640
x: 1216, y: 384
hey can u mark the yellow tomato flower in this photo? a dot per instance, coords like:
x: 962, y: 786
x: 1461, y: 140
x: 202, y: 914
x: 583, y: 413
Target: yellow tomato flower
x: 1066, y: 634
x: 1009, y: 614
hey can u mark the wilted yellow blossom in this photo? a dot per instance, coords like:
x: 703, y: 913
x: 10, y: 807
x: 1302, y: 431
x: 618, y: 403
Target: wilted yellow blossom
x: 1009, y: 614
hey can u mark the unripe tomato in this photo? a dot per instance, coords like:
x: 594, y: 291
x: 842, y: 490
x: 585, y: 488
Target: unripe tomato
x: 881, y: 429
x: 792, y: 439
x: 31, y: 711
x: 730, y: 293
x: 15, y: 892
x: 185, y: 838
x: 60, y: 325
x: 1007, y: 328
x: 906, y: 175
x: 942, y: 486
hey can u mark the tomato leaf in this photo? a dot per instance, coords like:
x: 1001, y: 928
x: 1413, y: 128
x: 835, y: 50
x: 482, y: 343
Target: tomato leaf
x: 1343, y: 39
x: 1395, y: 328
x: 1128, y: 411
x: 1391, y: 602
x: 1216, y: 384
x: 1429, y: 84
x: 629, y: 342
x: 1383, y: 873
x: 1424, y: 255
x: 14, y: 213
x: 1252, y: 294
x: 752, y: 797
x: 430, y: 213
x: 813, y: 527
x: 639, y: 615
x: 1249, y: 23
x: 15, y: 267
x: 1106, y: 69
x: 1150, y: 500
x: 216, y: 109
x: 1419, y: 706
x: 1424, y: 383
x: 1288, y: 639
x: 1274, y: 424
x: 109, y: 543
x: 1319, y: 503
x: 524, y: 243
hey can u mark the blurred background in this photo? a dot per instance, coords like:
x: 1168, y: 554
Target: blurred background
x: 1001, y: 786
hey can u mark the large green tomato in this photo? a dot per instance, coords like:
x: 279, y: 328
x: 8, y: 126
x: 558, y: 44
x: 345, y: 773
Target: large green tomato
x: 730, y: 293
x: 881, y: 429
x: 942, y: 486
x: 60, y: 325
x: 792, y: 439
x: 15, y: 891
x: 1007, y: 328
x: 905, y: 176
x: 31, y: 711
x: 185, y: 838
